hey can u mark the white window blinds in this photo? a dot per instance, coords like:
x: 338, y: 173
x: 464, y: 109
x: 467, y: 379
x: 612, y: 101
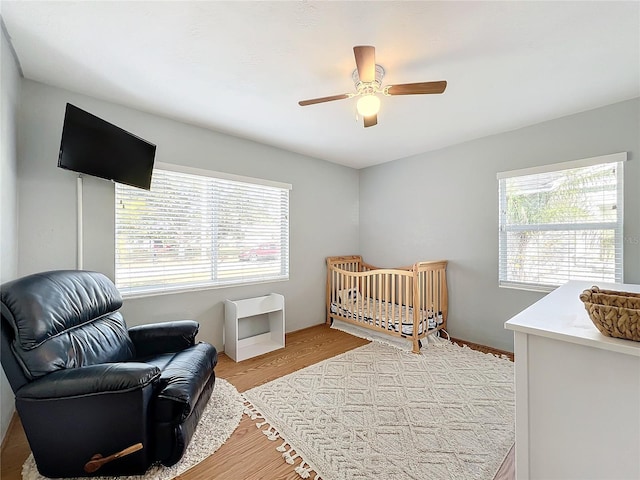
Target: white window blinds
x: 194, y: 230
x: 561, y: 222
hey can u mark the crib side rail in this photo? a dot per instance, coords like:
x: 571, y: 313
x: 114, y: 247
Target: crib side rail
x: 377, y: 299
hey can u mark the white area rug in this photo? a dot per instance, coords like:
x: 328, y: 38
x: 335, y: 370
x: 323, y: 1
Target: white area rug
x: 378, y: 412
x: 219, y: 419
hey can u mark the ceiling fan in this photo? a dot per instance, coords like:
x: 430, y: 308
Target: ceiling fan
x: 367, y: 78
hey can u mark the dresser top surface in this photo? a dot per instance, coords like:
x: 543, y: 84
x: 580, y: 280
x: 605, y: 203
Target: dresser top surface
x: 561, y: 315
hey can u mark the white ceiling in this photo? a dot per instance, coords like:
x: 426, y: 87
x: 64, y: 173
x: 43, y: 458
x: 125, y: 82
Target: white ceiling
x: 241, y: 67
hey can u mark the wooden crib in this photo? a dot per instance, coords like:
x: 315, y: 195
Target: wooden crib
x: 383, y: 299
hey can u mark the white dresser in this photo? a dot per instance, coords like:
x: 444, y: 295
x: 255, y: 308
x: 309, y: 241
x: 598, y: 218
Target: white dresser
x: 577, y: 392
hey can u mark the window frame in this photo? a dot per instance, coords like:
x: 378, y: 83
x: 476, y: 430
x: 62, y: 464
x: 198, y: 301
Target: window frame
x: 153, y: 290
x: 503, y: 227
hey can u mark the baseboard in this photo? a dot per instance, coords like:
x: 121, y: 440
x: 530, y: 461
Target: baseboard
x: 483, y: 348
x: 306, y: 328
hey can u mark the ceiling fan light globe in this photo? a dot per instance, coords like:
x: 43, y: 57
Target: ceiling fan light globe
x: 368, y: 105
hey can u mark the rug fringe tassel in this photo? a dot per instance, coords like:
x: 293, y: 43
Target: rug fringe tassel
x: 289, y: 453
x: 251, y: 411
x: 304, y: 470
x: 271, y: 433
x: 288, y: 457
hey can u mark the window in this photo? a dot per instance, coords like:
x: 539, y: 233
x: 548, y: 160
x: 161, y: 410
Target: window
x: 198, y: 229
x: 561, y: 222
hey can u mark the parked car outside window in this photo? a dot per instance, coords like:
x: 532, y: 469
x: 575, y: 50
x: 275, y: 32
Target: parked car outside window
x: 262, y: 252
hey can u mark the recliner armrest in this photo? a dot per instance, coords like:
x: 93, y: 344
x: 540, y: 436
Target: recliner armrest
x: 92, y: 379
x: 158, y: 338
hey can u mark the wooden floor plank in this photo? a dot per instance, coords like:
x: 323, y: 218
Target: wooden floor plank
x: 248, y: 454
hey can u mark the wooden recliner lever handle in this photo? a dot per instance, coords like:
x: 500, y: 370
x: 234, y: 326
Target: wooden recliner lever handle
x: 98, y: 460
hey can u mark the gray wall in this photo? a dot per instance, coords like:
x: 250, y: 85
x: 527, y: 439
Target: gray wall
x: 10, y: 90
x: 444, y: 205
x: 324, y: 200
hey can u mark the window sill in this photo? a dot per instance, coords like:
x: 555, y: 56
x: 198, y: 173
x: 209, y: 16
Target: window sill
x: 177, y: 290
x: 528, y: 288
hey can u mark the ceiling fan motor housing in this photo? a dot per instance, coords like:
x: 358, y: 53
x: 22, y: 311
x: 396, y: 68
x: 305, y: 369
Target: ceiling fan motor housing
x: 367, y: 88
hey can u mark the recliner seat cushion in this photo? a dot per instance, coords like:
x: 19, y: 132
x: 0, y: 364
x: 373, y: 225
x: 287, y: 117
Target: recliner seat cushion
x: 65, y: 319
x: 182, y: 379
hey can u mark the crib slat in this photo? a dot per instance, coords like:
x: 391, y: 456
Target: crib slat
x: 365, y: 295
x: 386, y: 298
x: 423, y: 316
x: 380, y: 287
x: 407, y: 292
x: 393, y: 299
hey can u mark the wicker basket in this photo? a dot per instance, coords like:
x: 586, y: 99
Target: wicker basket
x: 615, y: 314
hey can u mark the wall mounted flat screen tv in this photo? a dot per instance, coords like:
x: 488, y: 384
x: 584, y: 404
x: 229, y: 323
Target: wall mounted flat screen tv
x: 96, y: 147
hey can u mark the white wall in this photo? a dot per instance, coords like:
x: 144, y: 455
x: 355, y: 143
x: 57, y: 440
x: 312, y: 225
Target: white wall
x: 444, y: 205
x: 10, y: 90
x: 323, y: 208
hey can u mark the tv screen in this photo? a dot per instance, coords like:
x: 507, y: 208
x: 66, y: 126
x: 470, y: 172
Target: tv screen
x: 96, y: 147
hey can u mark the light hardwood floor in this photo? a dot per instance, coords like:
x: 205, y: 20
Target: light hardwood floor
x: 248, y: 454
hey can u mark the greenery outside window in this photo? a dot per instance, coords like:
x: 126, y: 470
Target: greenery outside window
x: 200, y: 229
x: 561, y: 222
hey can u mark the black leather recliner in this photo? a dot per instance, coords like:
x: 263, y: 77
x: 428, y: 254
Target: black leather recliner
x: 85, y: 385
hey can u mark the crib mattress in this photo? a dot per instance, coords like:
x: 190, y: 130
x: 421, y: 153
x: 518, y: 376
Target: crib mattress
x: 374, y: 312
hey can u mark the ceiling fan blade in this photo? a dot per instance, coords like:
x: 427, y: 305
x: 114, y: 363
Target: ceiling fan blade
x: 366, y: 62
x: 370, y: 121
x: 417, y: 88
x: 313, y: 101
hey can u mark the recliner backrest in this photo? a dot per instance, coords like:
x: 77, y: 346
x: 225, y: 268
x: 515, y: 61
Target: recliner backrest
x: 65, y: 319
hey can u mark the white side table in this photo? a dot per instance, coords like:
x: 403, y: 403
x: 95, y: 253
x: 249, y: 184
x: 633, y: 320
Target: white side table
x: 235, y: 311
